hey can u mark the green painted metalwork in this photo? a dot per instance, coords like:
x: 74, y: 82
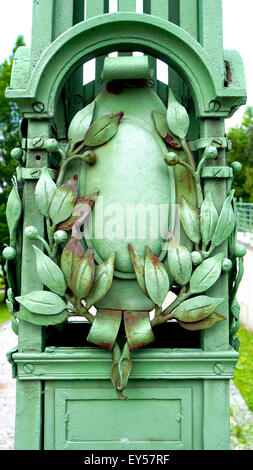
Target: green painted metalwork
x: 244, y: 216
x: 118, y: 140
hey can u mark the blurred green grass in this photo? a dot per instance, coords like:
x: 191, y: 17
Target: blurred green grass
x: 244, y: 368
x: 4, y: 312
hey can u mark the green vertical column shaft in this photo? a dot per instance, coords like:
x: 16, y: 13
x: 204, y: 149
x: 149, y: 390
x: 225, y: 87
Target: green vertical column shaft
x: 216, y: 422
x: 42, y: 28
x: 217, y: 337
x: 152, y: 60
x: 126, y: 5
x: 210, y: 37
x: 63, y: 17
x: 96, y: 8
x: 29, y: 415
x: 211, y: 32
x: 188, y: 15
x: 188, y: 20
x: 63, y: 20
x: 75, y: 93
x: 31, y: 337
x: 175, y: 81
x: 158, y: 8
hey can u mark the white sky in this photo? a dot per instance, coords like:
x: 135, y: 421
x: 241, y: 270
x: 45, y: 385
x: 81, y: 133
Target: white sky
x: 16, y: 18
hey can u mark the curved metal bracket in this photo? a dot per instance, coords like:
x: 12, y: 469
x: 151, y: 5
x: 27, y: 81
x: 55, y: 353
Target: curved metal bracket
x: 152, y: 35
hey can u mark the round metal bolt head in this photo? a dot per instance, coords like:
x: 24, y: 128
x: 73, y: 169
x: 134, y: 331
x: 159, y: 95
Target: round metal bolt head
x: 218, y: 368
x: 214, y: 105
x: 37, y: 142
x: 38, y: 107
x: 28, y: 368
x: 78, y: 99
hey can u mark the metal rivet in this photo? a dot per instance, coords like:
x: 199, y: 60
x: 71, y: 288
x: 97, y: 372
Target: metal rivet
x: 28, y: 368
x: 78, y: 99
x: 38, y: 107
x: 37, y: 142
x: 35, y: 172
x: 214, y: 105
x: 218, y: 368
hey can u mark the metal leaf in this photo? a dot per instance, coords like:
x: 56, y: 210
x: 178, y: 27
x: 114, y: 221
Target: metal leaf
x: 206, y: 274
x: 80, y: 124
x: 203, y: 324
x: 13, y: 212
x: 44, y: 192
x: 196, y: 309
x: 226, y: 221
x: 161, y: 126
x: 49, y: 273
x: 102, y: 282
x: 42, y: 320
x: 208, y: 219
x: 156, y: 278
x: 63, y: 201
x: 83, y: 275
x: 105, y: 328
x: 114, y: 373
x: 138, y: 263
x: 189, y: 216
x: 71, y: 256
x: 42, y: 302
x: 177, y: 117
x: 138, y: 329
x: 180, y: 264
x: 125, y: 366
x: 103, y: 129
x: 81, y: 210
x: 10, y: 306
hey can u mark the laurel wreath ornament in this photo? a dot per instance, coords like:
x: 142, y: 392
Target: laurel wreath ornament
x: 73, y: 282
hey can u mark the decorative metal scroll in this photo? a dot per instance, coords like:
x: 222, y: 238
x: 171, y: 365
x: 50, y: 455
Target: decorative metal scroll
x: 74, y: 282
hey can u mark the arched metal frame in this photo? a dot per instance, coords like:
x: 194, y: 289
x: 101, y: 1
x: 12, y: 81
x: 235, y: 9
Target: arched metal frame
x: 152, y: 35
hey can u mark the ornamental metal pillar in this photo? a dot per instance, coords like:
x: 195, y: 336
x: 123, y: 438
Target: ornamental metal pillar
x: 123, y: 265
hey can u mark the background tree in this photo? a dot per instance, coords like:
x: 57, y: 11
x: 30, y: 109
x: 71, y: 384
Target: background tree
x: 242, y: 151
x: 9, y: 139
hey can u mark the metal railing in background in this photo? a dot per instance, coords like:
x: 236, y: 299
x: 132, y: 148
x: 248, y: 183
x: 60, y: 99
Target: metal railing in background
x: 244, y: 215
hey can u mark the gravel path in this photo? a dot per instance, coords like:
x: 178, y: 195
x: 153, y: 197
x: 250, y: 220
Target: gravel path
x: 7, y: 388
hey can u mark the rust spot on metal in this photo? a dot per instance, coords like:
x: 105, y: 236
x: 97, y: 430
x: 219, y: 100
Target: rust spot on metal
x: 155, y: 260
x: 138, y: 346
x: 130, y: 319
x: 131, y: 248
x: 228, y: 73
x: 105, y: 345
x: 115, y: 86
x: 170, y: 141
